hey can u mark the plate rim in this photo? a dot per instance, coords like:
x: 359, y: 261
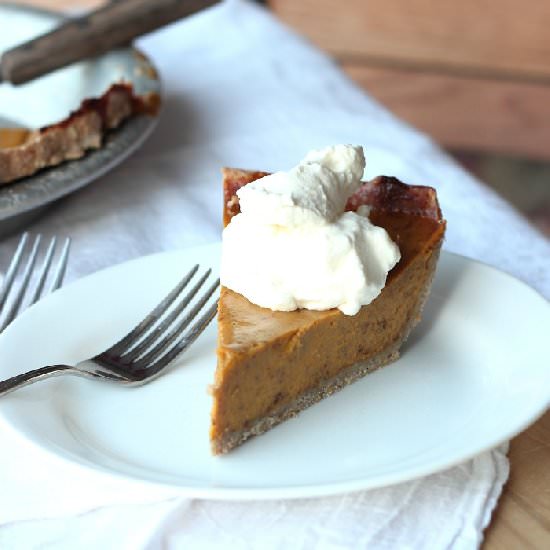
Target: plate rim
x: 304, y: 490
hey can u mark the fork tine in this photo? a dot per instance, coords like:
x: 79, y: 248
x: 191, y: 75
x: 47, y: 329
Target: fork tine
x: 44, y: 271
x: 172, y: 336
x: 150, y: 320
x: 102, y: 373
x: 183, y: 343
x: 62, y: 265
x: 137, y: 350
x: 14, y: 308
x: 12, y: 269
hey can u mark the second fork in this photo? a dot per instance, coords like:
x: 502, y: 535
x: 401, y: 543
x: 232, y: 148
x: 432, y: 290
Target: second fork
x: 12, y: 294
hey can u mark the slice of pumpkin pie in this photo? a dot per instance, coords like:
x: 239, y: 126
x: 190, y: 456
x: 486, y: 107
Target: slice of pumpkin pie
x: 323, y: 279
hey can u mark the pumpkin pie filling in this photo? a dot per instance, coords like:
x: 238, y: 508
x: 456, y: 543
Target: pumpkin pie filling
x: 13, y: 137
x: 273, y: 364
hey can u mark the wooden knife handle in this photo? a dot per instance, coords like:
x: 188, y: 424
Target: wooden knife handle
x: 111, y: 26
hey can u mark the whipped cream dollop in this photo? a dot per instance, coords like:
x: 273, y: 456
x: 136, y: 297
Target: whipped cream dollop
x: 293, y: 245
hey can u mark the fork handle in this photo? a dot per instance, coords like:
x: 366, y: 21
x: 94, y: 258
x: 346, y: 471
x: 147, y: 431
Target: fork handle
x: 21, y: 380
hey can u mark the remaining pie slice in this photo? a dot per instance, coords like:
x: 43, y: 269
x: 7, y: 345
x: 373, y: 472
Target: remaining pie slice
x: 24, y: 152
x: 273, y: 364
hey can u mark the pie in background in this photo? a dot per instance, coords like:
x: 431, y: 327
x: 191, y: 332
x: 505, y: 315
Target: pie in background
x: 24, y: 152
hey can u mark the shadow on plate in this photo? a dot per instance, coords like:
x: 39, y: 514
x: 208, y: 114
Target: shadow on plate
x: 450, y: 270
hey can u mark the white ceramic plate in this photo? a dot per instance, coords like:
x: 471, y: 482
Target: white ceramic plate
x: 473, y: 374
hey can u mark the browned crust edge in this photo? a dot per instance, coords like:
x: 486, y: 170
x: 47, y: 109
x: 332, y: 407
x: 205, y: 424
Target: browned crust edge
x: 82, y: 130
x: 381, y: 193
x: 350, y: 375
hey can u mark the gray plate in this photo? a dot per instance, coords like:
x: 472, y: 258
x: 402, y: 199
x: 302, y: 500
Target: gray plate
x: 50, y: 99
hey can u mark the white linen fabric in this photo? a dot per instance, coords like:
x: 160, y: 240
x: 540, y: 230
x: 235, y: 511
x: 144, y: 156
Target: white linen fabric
x: 242, y: 90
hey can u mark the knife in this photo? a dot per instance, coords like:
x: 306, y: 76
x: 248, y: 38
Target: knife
x: 97, y: 32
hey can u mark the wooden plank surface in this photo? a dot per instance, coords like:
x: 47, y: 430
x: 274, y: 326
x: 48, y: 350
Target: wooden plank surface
x: 464, y: 113
x: 499, y: 37
x: 522, y: 517
x: 482, y: 70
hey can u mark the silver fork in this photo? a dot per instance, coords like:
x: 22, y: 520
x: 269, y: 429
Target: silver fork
x: 145, y: 352
x: 16, y: 305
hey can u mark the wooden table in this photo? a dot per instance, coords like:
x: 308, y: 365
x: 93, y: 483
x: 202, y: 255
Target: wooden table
x: 522, y: 517
x: 474, y: 75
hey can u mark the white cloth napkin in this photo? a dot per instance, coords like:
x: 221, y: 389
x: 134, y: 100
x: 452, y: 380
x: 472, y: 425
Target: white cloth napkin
x: 242, y: 90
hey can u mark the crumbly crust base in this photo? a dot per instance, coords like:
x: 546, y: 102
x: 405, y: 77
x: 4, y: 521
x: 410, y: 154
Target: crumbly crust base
x: 233, y: 439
